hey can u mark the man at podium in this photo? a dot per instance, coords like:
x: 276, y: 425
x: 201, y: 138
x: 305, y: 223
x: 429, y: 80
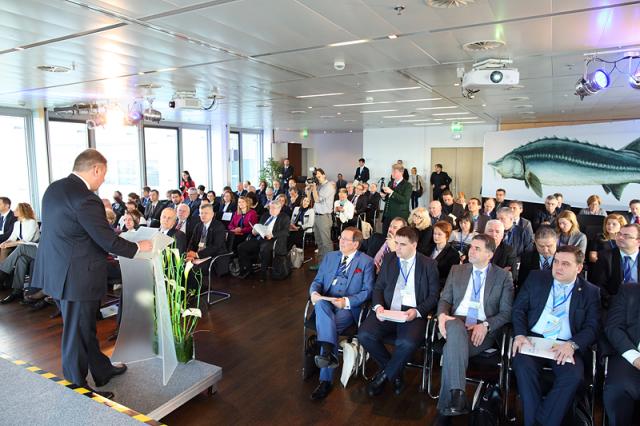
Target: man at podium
x: 71, y: 265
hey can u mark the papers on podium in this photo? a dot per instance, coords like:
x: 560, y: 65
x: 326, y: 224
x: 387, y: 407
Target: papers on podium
x: 541, y: 348
x: 394, y: 316
x: 159, y: 240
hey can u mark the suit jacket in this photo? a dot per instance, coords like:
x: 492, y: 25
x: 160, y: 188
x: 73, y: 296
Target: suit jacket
x: 373, y: 204
x: 397, y: 204
x: 497, y: 299
x: 9, y: 222
x: 340, y: 184
x: 456, y: 209
x: 481, y: 223
x: 153, y: 215
x: 584, y: 308
x: 425, y: 241
x: 71, y: 262
x: 188, y: 229
x: 360, y: 277
x: 544, y: 216
x: 361, y: 204
x: 505, y: 256
x: 520, y: 241
x: 443, y: 217
x: 446, y: 259
x: 526, y: 225
x: 216, y: 243
x: 529, y: 261
x: 607, y: 273
x: 362, y: 176
x: 179, y: 238
x: 280, y: 231
x: 287, y: 173
x: 630, y: 217
x: 231, y: 208
x: 427, y: 284
x: 623, y: 320
x: 195, y: 207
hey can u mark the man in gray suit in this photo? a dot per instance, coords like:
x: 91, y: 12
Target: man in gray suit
x: 474, y: 306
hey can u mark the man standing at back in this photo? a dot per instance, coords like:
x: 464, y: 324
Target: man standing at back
x: 71, y: 265
x: 396, y: 197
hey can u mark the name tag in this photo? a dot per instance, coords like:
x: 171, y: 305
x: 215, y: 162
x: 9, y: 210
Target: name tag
x: 227, y: 216
x: 474, y: 305
x: 549, y: 319
x: 335, y: 280
x: 201, y: 245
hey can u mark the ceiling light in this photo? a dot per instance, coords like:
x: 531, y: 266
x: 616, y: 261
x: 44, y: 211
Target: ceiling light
x: 439, y: 107
x: 348, y: 43
x: 438, y: 119
x: 319, y: 95
x: 428, y: 124
x: 592, y: 83
x: 349, y: 121
x: 297, y: 112
x: 338, y: 113
x: 379, y: 110
x: 393, y: 89
x: 402, y: 101
x: 519, y: 98
x: 451, y: 113
x: 53, y: 68
x: 482, y: 45
x: 474, y: 122
x: 522, y: 106
x: 392, y: 36
x: 461, y: 118
x: 456, y: 84
x: 327, y: 116
x: 309, y: 107
x: 415, y: 121
x: 484, y: 105
x: 388, y: 102
x: 526, y: 112
x: 399, y: 116
x: 441, y: 4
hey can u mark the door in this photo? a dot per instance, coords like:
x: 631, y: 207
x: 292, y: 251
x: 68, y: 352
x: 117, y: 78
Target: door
x: 464, y: 166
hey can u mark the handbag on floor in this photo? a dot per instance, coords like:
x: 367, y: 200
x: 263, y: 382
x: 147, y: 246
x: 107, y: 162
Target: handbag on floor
x: 296, y: 257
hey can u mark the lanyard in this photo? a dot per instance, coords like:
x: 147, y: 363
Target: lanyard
x: 241, y: 221
x: 476, y: 294
x: 406, y: 277
x: 555, y: 305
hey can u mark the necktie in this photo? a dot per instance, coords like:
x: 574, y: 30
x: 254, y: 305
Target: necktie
x: 638, y: 220
x: 552, y: 330
x: 1, y: 223
x: 179, y: 225
x: 342, y: 270
x: 545, y: 264
x: 627, y: 269
x: 403, y: 265
x: 396, y: 301
x: 203, y: 236
x: 472, y: 312
x: 268, y: 222
x: 380, y: 255
x: 20, y: 235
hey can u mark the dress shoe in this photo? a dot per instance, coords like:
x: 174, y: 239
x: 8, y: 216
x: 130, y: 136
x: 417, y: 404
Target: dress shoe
x: 40, y: 304
x: 376, y: 386
x: 314, y: 267
x: 34, y: 297
x: 457, y: 405
x: 321, y: 391
x: 104, y: 394
x: 326, y: 361
x: 398, y: 385
x: 116, y: 371
x: 11, y: 298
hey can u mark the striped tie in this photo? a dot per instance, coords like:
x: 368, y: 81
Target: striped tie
x: 627, y: 269
x: 342, y: 270
x: 380, y: 255
x: 545, y: 265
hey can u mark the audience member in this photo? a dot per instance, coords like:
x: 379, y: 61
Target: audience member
x: 340, y: 182
x: 322, y: 193
x: 131, y: 221
x: 25, y: 229
x: 168, y: 220
x: 607, y: 238
x: 436, y: 214
x: 545, y: 307
x: 293, y: 198
x: 569, y: 231
x: 362, y: 172
x: 474, y: 306
x: 343, y: 208
x: 373, y: 205
x: 269, y: 196
x: 503, y: 256
x: 460, y: 239
x: 396, y: 197
x: 517, y: 209
x: 176, y: 198
x: 634, y: 211
x: 154, y: 209
x: 514, y: 236
x: 489, y: 208
x: 118, y: 206
x: 450, y: 208
x: 277, y: 188
x: 302, y: 220
x: 500, y: 199
x: 193, y: 201
x: 240, y: 190
x: 407, y: 282
x: 380, y: 244
x: 342, y: 285
x: 417, y: 187
x: 593, y: 207
x: 282, y: 199
x: 207, y: 241
x: 478, y: 220
x: 420, y: 221
x: 227, y: 207
x: 202, y: 193
x: 546, y: 243
x: 288, y: 172
x: 441, y: 251
x: 186, y: 182
x: 561, y: 204
x: 185, y: 221
x: 16, y: 266
x: 439, y: 181
x: 146, y: 196
x: 241, y: 223
x: 360, y: 201
x: 548, y: 215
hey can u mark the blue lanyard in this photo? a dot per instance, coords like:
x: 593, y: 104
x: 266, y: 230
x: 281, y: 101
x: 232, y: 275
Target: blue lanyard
x: 406, y: 277
x: 555, y: 305
x: 476, y: 294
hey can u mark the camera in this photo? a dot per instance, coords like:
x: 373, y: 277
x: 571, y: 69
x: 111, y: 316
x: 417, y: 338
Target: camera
x: 311, y: 180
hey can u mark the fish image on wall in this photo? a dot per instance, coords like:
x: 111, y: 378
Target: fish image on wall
x: 569, y: 162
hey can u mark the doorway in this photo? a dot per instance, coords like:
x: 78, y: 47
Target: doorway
x: 464, y: 166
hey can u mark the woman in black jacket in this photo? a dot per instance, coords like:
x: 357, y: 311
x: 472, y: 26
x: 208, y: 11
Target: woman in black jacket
x: 443, y: 252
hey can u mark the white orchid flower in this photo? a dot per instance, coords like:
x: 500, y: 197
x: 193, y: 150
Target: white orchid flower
x: 187, y: 268
x: 192, y: 312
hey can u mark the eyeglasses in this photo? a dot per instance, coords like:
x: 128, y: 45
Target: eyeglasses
x: 626, y: 236
x: 345, y: 239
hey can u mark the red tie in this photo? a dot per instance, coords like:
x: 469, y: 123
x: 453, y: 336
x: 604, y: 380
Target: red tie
x: 638, y: 220
x: 393, y: 185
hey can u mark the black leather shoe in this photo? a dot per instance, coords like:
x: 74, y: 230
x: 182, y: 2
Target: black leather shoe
x: 398, y: 385
x: 40, y: 304
x: 104, y: 394
x: 326, y: 361
x: 376, y: 386
x: 321, y: 391
x: 11, y: 298
x: 115, y: 372
x: 457, y: 405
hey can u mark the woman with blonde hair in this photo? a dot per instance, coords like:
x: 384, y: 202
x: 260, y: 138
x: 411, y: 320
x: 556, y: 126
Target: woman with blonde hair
x: 26, y: 228
x: 420, y: 220
x: 569, y: 232
x: 607, y: 238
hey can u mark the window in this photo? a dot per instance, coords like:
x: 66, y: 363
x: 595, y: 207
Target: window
x: 251, y: 157
x: 120, y: 145
x: 234, y: 160
x: 195, y: 155
x: 66, y: 140
x: 161, y: 148
x: 15, y: 176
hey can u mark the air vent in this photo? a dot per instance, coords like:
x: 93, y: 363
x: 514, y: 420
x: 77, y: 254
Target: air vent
x: 53, y: 68
x: 449, y: 3
x: 515, y: 87
x: 482, y: 45
x: 148, y: 86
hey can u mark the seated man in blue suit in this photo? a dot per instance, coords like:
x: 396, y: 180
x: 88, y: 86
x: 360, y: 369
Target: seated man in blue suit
x: 408, y: 281
x: 555, y: 305
x: 347, y: 277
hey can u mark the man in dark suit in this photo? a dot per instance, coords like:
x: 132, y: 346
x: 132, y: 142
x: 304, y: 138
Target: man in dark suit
x: 514, y: 236
x: 396, y: 197
x: 340, y: 183
x: 619, y: 265
x: 622, y: 386
x: 186, y: 222
x: 634, y: 212
x: 408, y: 282
x: 71, y: 264
x: 503, y: 256
x: 561, y: 306
x: 168, y: 220
x: 546, y: 242
x: 562, y: 206
x: 360, y: 201
x: 449, y: 207
x: 207, y: 241
x: 154, y: 209
x: 474, y: 306
x: 7, y: 219
x: 436, y: 214
x: 373, y: 203
x: 277, y: 224
x: 118, y: 206
x: 175, y: 197
x: 362, y: 172
x: 517, y: 208
x: 350, y: 287
x: 288, y: 172
x: 547, y: 215
x: 193, y: 202
x: 439, y: 181
x: 277, y: 189
x: 479, y: 221
x: 500, y: 199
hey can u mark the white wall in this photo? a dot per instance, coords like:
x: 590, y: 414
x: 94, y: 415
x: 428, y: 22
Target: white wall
x: 334, y: 152
x: 412, y: 145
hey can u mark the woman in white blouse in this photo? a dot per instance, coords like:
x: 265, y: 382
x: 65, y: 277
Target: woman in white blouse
x: 343, y: 208
x: 26, y: 228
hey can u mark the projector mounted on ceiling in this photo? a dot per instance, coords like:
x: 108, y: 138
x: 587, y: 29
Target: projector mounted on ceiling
x: 488, y: 74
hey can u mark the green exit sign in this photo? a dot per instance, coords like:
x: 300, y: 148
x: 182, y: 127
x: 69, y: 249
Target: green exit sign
x: 456, y: 127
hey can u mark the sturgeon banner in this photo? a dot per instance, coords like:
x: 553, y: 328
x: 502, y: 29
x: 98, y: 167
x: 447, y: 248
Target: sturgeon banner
x: 577, y: 161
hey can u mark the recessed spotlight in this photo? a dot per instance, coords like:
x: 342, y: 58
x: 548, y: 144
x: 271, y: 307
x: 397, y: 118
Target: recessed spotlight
x: 309, y: 107
x: 348, y: 43
x: 439, y: 107
x: 519, y: 98
x: 338, y: 113
x: 399, y: 116
x: 484, y: 105
x: 392, y: 36
x: 297, y: 112
x: 350, y: 131
x: 522, y: 106
x: 456, y: 84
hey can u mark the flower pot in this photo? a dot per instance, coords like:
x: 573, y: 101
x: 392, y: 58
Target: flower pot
x: 184, y: 350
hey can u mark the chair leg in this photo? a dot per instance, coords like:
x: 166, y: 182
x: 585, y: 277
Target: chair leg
x: 223, y: 295
x: 430, y: 380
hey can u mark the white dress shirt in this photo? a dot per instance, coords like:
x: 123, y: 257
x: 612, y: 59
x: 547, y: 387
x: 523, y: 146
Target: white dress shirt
x: 30, y: 231
x: 463, y: 308
x: 4, y: 221
x: 408, y: 293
